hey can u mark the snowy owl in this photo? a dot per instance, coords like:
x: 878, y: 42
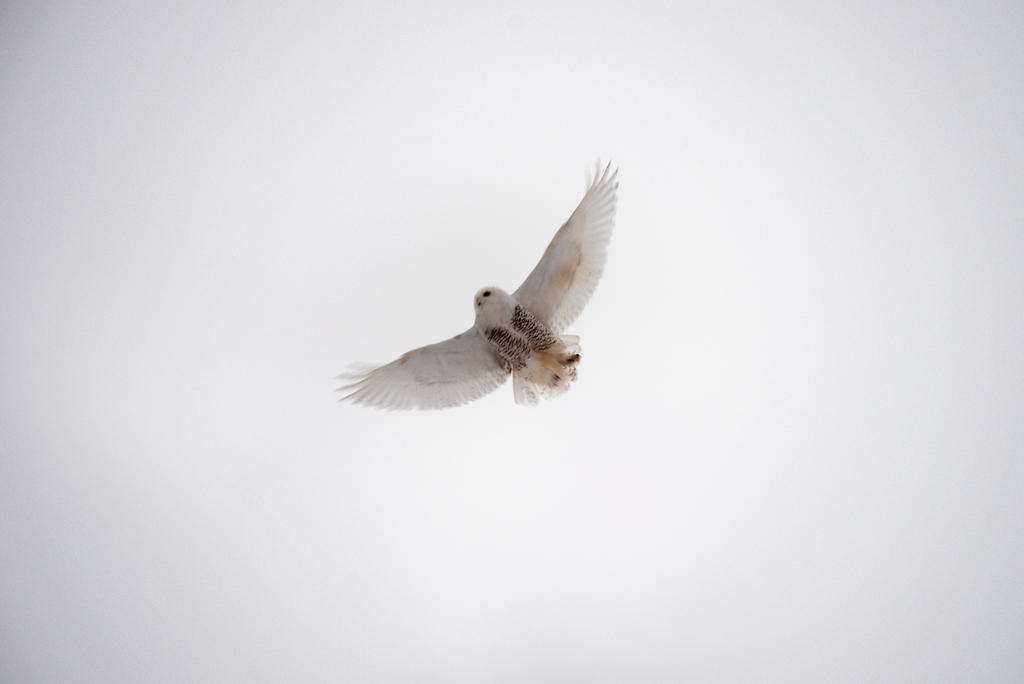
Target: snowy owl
x: 518, y: 334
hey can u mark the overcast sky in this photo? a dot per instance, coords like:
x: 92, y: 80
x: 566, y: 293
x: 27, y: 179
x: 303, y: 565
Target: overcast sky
x: 794, y: 452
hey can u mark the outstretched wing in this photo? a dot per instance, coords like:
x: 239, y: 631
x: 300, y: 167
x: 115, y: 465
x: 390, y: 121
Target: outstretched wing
x: 561, y: 283
x: 439, y: 375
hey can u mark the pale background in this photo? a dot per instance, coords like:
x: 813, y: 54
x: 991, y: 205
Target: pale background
x: 794, y: 453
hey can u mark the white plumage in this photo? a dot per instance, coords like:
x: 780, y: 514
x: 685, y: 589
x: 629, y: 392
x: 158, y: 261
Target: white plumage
x: 517, y: 334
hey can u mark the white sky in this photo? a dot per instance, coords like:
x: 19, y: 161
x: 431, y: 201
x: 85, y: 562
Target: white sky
x: 795, y: 449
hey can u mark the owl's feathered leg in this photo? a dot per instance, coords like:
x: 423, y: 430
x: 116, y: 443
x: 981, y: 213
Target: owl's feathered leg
x: 547, y: 373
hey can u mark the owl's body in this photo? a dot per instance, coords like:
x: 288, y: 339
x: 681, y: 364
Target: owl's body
x: 541, y: 363
x: 518, y: 334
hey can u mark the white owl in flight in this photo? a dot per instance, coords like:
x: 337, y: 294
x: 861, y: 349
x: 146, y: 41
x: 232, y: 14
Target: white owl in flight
x: 518, y: 333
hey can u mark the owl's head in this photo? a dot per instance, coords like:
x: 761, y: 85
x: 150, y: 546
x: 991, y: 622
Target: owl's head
x: 492, y: 303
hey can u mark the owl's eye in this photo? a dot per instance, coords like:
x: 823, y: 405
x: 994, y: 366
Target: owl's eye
x: 487, y: 293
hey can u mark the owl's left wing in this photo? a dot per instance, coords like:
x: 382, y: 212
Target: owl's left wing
x: 561, y: 284
x: 455, y: 371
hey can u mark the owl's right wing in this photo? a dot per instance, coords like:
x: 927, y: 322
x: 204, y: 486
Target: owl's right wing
x: 455, y: 371
x: 562, y: 281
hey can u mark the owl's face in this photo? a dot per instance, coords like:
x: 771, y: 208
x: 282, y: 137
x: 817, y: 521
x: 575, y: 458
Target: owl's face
x: 487, y: 296
x: 491, y: 302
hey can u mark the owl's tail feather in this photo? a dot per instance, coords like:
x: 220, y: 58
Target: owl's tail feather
x: 547, y: 373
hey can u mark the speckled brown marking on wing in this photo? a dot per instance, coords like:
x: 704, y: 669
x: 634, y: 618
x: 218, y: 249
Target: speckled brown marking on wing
x: 513, y: 349
x: 537, y: 335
